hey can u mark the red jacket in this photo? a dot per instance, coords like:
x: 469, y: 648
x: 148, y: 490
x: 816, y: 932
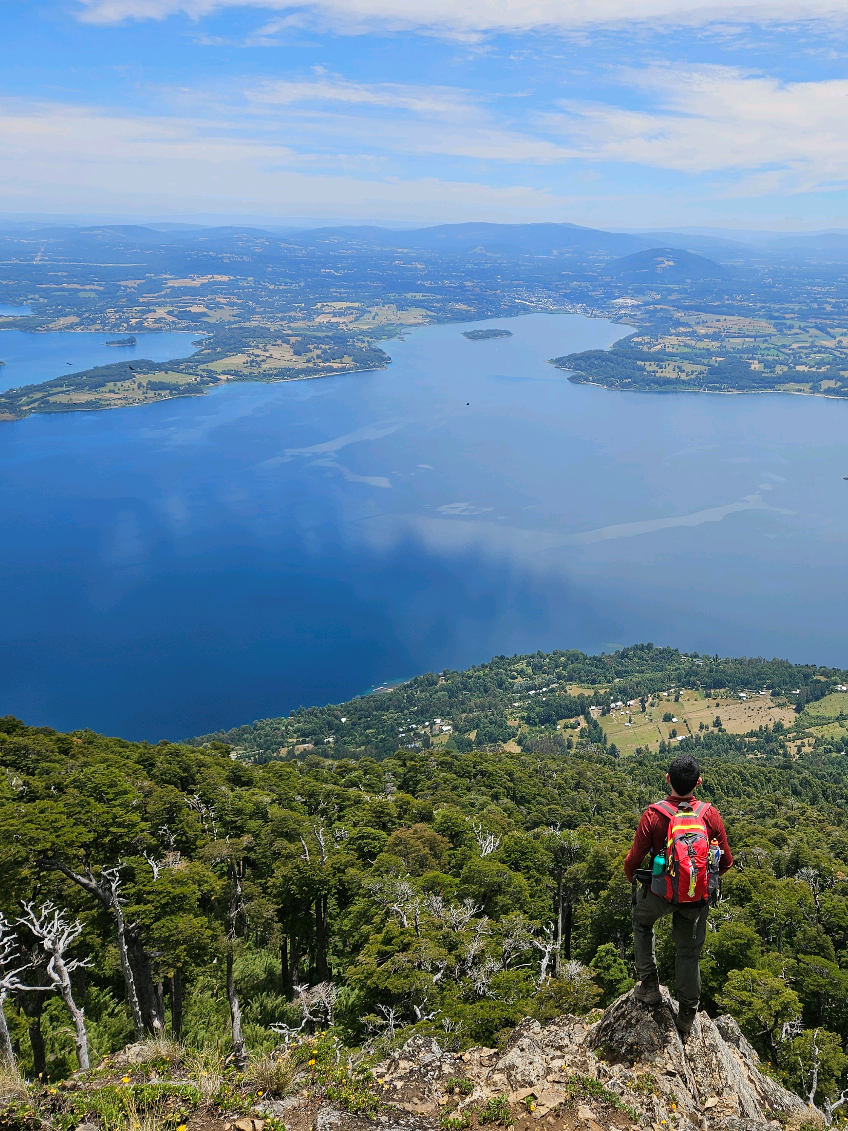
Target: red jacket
x: 652, y: 834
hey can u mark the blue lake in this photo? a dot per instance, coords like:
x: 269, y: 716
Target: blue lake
x: 31, y: 358
x: 203, y: 562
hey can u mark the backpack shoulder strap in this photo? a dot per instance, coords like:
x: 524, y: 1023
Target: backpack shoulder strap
x: 664, y: 807
x: 700, y: 808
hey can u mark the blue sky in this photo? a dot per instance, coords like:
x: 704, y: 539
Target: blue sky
x: 648, y: 113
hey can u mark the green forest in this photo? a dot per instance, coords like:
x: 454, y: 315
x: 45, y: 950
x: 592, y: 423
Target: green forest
x: 443, y: 858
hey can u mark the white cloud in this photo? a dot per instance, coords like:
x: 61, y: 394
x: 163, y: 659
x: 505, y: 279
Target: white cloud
x: 478, y: 16
x: 719, y: 119
x: 333, y: 89
x: 323, y: 143
x: 703, y: 120
x: 395, y: 119
x: 62, y: 158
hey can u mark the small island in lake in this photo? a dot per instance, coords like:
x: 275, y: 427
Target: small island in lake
x: 130, y: 341
x: 484, y: 335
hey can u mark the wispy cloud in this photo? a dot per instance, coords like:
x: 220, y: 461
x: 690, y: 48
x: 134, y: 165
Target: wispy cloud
x: 718, y: 119
x: 480, y: 16
x: 393, y: 118
x: 302, y: 142
x: 326, y: 89
x: 62, y: 155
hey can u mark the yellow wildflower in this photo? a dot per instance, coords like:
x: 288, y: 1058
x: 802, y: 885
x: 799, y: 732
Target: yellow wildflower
x: 312, y: 1061
x: 125, y: 1079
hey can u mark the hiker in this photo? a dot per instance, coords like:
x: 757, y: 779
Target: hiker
x: 689, y: 852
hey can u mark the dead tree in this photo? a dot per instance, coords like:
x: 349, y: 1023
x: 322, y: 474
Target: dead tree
x: 399, y: 898
x: 316, y: 1004
x: 546, y: 945
x: 389, y: 1020
x: 56, y: 936
x: 235, y: 910
x: 517, y: 938
x: 135, y: 964
x: 830, y: 1106
x: 486, y: 842
x: 12, y: 965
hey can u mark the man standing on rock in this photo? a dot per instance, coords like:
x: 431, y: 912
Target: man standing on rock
x: 689, y: 851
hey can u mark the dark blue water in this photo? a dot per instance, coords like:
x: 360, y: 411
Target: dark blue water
x: 199, y: 563
x: 31, y: 358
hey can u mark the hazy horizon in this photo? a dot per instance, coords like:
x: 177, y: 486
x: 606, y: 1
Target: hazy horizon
x: 282, y: 224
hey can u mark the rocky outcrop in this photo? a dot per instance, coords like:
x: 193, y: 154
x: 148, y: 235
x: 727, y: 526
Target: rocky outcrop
x: 713, y: 1078
x: 629, y: 1069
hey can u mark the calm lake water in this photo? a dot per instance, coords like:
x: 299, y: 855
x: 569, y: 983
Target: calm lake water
x: 31, y: 358
x: 204, y: 562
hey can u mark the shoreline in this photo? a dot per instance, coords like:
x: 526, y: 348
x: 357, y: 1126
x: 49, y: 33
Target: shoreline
x: 705, y: 392
x: 593, y: 314
x: 5, y: 418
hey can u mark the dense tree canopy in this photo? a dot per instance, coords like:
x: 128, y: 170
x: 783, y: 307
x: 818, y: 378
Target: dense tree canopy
x: 437, y: 887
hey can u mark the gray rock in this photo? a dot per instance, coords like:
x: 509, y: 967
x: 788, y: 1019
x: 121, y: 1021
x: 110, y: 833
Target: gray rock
x: 709, y: 1082
x: 714, y: 1075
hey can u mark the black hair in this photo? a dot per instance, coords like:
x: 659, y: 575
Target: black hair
x: 684, y: 772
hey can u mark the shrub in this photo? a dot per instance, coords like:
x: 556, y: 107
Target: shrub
x: 497, y: 1110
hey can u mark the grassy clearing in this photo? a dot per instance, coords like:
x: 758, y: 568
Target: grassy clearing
x: 167, y: 1086
x: 691, y: 714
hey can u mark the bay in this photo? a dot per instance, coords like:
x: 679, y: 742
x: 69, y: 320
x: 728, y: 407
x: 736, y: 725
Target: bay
x: 199, y: 563
x: 32, y: 358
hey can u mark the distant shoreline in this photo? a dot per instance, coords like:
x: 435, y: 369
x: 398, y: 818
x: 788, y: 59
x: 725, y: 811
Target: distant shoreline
x: 481, y: 334
x: 705, y: 392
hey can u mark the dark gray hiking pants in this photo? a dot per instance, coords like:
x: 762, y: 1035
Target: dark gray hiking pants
x: 689, y: 929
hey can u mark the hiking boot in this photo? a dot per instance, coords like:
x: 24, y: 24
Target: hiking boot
x: 685, y: 1019
x: 648, y: 990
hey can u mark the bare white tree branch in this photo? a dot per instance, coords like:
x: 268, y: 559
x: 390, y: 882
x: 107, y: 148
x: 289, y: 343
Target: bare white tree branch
x: 486, y: 842
x: 56, y: 935
x: 546, y: 945
x: 12, y: 965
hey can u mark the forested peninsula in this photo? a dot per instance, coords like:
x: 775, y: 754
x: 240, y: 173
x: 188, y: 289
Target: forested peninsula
x: 276, y: 908
x: 278, y: 306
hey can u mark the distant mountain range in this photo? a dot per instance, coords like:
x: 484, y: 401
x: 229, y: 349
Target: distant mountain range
x: 467, y: 241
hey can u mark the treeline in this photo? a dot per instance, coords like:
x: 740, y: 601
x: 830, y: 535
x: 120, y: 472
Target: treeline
x: 218, y: 344
x: 617, y: 368
x: 494, y: 702
x: 627, y: 367
x: 20, y: 402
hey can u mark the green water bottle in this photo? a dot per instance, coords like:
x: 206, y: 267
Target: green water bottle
x: 658, y: 866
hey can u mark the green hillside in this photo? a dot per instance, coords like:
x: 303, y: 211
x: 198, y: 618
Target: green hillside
x: 517, y: 697
x: 426, y: 880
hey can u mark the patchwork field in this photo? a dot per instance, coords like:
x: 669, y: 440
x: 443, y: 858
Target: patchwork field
x: 630, y: 727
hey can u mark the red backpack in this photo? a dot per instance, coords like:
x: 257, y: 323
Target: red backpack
x: 690, y: 870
